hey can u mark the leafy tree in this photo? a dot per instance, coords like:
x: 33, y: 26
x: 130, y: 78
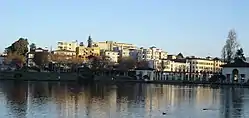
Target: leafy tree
x: 143, y: 64
x: 240, y: 55
x: 19, y: 47
x: 231, y: 46
x: 14, y: 58
x: 127, y: 63
x: 32, y: 47
x: 41, y: 58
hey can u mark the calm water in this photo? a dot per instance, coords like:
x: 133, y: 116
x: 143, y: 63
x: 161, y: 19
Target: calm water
x: 60, y: 100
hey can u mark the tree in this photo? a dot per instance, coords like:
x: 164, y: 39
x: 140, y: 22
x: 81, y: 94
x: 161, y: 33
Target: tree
x: 32, y: 47
x: 231, y: 46
x: 15, y: 59
x: 126, y: 63
x: 143, y: 64
x: 240, y: 55
x: 41, y: 58
x: 19, y: 47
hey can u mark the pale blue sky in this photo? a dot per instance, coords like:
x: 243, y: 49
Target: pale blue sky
x: 194, y: 27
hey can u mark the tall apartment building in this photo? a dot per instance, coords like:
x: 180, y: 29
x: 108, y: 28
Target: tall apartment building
x: 69, y: 46
x: 205, y: 64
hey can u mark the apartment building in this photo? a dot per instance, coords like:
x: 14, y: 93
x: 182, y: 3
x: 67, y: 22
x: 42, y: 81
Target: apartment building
x: 205, y: 64
x: 151, y: 53
x: 113, y: 56
x: 70, y: 46
x: 110, y: 45
x: 175, y: 65
x: 84, y: 52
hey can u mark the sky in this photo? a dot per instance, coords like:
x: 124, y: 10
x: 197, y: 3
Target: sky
x: 192, y: 27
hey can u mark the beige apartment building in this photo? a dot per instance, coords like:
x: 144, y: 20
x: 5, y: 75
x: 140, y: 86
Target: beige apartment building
x: 110, y: 45
x: 205, y: 64
x: 69, y: 46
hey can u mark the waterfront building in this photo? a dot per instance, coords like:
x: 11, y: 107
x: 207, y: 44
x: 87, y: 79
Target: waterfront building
x: 110, y: 45
x: 237, y: 71
x: 175, y: 65
x: 208, y: 64
x: 113, y: 56
x: 70, y: 46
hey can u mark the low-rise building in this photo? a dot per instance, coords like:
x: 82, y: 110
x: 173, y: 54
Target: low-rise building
x: 175, y: 65
x: 208, y: 64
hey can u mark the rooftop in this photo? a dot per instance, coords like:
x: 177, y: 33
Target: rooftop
x: 237, y: 63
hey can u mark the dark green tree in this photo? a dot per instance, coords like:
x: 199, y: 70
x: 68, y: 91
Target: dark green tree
x: 20, y: 47
x: 41, y: 58
x: 32, y: 47
x: 240, y: 55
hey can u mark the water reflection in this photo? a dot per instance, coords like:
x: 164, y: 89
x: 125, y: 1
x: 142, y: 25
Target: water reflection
x: 70, y: 100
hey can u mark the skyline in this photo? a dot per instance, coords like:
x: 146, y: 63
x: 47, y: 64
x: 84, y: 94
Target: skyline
x: 144, y: 24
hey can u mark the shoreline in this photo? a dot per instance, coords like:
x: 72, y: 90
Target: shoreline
x: 174, y: 82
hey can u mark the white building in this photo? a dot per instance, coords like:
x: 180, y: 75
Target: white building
x: 151, y: 53
x: 237, y: 71
x: 176, y: 65
x: 112, y: 55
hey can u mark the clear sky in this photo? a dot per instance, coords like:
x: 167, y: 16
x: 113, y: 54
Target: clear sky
x: 193, y: 27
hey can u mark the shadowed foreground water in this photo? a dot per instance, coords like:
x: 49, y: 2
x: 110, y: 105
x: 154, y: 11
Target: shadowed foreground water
x: 61, y: 100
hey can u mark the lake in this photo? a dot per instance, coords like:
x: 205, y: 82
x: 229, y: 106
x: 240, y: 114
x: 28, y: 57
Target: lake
x: 70, y: 100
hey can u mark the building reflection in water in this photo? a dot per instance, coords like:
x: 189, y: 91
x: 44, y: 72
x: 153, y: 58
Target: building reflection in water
x: 232, y: 102
x: 70, y: 100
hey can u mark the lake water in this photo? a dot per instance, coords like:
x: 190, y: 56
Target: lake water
x: 61, y: 100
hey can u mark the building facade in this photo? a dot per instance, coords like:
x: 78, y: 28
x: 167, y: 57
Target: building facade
x: 70, y: 46
x: 112, y: 55
x: 84, y: 52
x: 205, y: 64
x: 175, y: 65
x: 110, y: 45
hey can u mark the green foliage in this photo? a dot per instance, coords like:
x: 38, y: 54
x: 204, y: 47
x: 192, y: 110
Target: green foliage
x: 32, y: 47
x: 127, y: 63
x: 41, y: 58
x: 240, y: 55
x: 19, y: 47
